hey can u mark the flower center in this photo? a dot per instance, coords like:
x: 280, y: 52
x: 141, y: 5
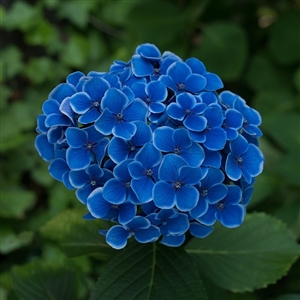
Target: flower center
x: 149, y: 172
x: 204, y: 193
x: 93, y: 182
x: 119, y: 116
x: 181, y: 86
x: 96, y: 104
x: 188, y: 111
x: 239, y: 160
x: 127, y: 184
x: 132, y: 148
x: 220, y: 205
x: 177, y: 185
x: 177, y: 151
x: 89, y: 146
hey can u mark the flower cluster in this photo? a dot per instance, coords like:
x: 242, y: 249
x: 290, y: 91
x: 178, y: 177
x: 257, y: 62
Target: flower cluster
x: 152, y: 146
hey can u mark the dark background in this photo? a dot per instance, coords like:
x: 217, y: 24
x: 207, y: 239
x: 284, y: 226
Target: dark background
x: 254, y: 46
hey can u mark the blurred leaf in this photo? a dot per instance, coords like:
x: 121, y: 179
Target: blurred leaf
x: 284, y: 43
x: 223, y: 50
x: 297, y: 79
x: 5, y: 94
x: 12, y: 64
x: 280, y: 99
x: 149, y: 271
x: 77, y: 12
x: 147, y: 19
x: 41, y: 34
x: 76, y: 235
x: 249, y: 257
x: 10, y: 241
x: 75, y: 51
x: 288, y: 166
x: 264, y: 75
x: 15, y: 201
x: 284, y: 129
x: 40, y: 69
x: 40, y: 281
x: 288, y: 297
x: 20, y: 16
x: 264, y: 186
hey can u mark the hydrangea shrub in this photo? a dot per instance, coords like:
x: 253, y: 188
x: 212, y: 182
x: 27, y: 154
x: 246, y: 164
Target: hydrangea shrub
x: 155, y: 145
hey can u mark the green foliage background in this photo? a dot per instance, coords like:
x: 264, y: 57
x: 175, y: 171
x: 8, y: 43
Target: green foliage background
x: 253, y: 45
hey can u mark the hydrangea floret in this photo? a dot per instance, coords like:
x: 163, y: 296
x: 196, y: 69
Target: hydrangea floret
x: 154, y: 146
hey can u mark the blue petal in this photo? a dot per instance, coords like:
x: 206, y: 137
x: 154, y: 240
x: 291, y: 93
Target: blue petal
x: 195, y: 123
x: 234, y: 118
x: 114, y: 191
x: 143, y: 188
x: 253, y: 160
x: 138, y: 222
x: 216, y: 193
x: 57, y: 168
x: 79, y: 179
x: 57, y: 120
x: 213, y: 177
x: 231, y: 216
x: 106, y: 122
x: 232, y: 168
x: 215, y: 139
x: 54, y: 134
x: 168, y: 170
x: 115, y: 100
x: 78, y: 159
x: 135, y: 111
x: 181, y: 138
x: 214, y: 82
x: 209, y: 218
x: 81, y: 102
x: 117, y: 237
x: 168, y: 81
x: 190, y: 175
x: 193, y: 155
x: 41, y: 128
x: 62, y: 91
x: 50, y: 107
x: 186, y: 198
x: 95, y: 88
x: 194, y: 83
x: 44, y: 148
x: 164, y: 195
x: 83, y: 193
x: 127, y: 212
x: 118, y: 149
x: 199, y: 230
x: 66, y: 181
x: 200, y: 209
x: 252, y: 130
x: 196, y: 65
x: 208, y: 98
x: 234, y: 195
x: 94, y: 171
x: 178, y: 225
x: 97, y: 205
x: 76, y: 137
x: 140, y: 66
x: 136, y: 170
x: 148, y: 50
x: 156, y: 107
x: 124, y: 130
x: 149, y: 156
x: 173, y: 240
x: 179, y: 71
x: 214, y: 116
x: 139, y: 90
x: 162, y: 139
x: 121, y: 171
x: 175, y: 111
x: 186, y: 100
x: 156, y: 91
x: 238, y: 146
x: 90, y: 116
x: 212, y: 159
x: 148, y: 235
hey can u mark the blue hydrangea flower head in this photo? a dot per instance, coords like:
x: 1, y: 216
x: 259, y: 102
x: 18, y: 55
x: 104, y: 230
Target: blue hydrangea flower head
x: 152, y: 146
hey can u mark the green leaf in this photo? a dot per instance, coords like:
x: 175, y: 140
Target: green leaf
x: 12, y: 64
x: 41, y: 34
x: 263, y: 74
x: 75, y: 52
x: 284, y: 43
x: 287, y: 137
x: 9, y: 241
x: 288, y: 297
x: 15, y: 202
x: 147, y: 19
x: 149, y: 271
x: 40, y: 281
x: 20, y: 16
x: 249, y: 257
x: 297, y: 79
x: 223, y: 50
x: 76, y: 235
